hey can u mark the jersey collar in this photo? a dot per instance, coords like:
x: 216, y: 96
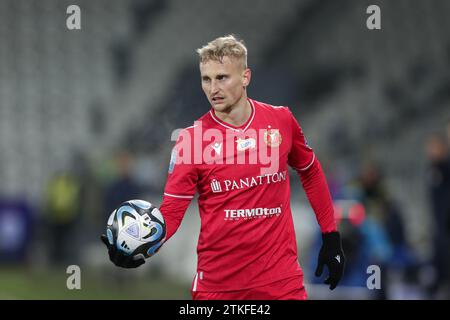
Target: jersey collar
x: 230, y: 126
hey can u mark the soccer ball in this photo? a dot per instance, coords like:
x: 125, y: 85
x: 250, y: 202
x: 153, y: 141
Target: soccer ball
x: 136, y: 228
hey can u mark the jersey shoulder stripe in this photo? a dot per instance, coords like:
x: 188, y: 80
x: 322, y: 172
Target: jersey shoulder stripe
x: 270, y: 107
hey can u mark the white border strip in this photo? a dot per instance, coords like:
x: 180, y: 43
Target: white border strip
x: 253, y: 116
x: 175, y: 196
x: 195, y: 282
x: 309, y: 165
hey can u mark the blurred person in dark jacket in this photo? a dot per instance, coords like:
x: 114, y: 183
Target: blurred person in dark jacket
x: 382, y: 208
x: 438, y: 179
x: 62, y: 208
x: 124, y: 187
x: 373, y: 233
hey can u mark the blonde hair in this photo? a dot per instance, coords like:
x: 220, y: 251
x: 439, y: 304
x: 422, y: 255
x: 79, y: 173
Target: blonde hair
x: 227, y: 46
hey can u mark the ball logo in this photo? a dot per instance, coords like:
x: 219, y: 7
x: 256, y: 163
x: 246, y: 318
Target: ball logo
x: 272, y: 137
x: 133, y: 230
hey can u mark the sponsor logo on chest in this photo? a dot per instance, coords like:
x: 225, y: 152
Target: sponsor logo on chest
x: 247, y: 182
x: 244, y: 144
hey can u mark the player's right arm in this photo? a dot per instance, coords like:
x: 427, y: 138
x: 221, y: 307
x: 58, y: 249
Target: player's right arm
x: 181, y: 183
x: 178, y: 193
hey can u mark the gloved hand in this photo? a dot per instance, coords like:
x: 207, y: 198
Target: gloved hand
x: 119, y: 258
x: 331, y: 255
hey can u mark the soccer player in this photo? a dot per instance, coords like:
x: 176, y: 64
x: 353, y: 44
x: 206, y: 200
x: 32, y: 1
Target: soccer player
x: 236, y: 156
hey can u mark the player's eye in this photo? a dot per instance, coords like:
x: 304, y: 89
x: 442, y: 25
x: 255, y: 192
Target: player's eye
x: 221, y: 77
x: 206, y: 79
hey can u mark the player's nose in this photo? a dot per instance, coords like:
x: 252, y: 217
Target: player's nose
x: 214, y: 89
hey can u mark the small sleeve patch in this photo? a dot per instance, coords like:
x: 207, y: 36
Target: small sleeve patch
x: 173, y: 160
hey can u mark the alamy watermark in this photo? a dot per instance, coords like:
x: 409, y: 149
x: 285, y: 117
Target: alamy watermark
x: 374, y: 280
x: 373, y: 22
x: 74, y: 280
x: 73, y: 21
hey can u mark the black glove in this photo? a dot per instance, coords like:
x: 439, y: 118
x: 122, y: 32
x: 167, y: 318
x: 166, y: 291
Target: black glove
x: 119, y: 258
x: 331, y: 255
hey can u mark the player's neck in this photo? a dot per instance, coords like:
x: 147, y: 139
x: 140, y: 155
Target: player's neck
x: 238, y: 114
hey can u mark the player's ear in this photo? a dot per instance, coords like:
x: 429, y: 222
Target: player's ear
x: 247, y: 75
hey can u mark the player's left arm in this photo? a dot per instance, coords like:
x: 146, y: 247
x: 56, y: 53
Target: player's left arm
x: 303, y: 160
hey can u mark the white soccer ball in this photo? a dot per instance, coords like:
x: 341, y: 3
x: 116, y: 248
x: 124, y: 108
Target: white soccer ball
x: 136, y: 228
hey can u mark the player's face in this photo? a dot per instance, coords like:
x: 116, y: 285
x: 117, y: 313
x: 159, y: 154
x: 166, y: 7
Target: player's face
x: 224, y: 82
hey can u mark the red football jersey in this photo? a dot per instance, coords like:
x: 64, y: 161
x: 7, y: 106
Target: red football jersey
x: 247, y: 236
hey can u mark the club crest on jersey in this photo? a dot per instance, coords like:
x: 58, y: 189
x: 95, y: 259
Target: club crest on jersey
x: 244, y: 144
x: 272, y: 137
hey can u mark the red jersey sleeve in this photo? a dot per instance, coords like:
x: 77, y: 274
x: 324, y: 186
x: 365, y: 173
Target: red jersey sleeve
x: 180, y: 186
x: 301, y: 155
x: 303, y: 160
x: 173, y: 211
x: 182, y: 176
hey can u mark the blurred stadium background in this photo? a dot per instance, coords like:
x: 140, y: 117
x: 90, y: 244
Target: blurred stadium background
x: 86, y: 118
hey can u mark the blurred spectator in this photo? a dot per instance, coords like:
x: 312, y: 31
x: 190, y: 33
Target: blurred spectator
x: 439, y: 191
x: 373, y: 233
x: 90, y: 200
x: 123, y: 187
x: 62, y: 209
x: 383, y: 211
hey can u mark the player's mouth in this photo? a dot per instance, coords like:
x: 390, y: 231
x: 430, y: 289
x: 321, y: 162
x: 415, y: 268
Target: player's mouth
x: 217, y: 99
